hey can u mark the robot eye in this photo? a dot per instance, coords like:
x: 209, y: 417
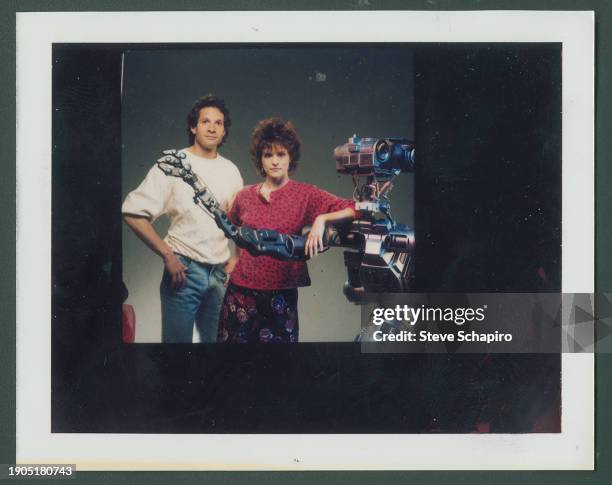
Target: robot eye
x: 382, y: 150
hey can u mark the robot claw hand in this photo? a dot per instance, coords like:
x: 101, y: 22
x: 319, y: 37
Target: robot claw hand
x: 172, y: 163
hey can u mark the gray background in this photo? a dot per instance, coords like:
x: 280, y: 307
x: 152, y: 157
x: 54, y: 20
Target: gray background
x: 329, y: 93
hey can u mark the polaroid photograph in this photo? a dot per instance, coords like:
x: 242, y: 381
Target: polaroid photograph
x: 223, y: 213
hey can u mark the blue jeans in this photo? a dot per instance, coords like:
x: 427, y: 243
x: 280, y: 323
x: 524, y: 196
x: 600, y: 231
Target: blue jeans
x: 198, y: 301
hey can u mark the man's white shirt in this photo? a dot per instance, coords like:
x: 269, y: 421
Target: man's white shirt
x: 192, y: 232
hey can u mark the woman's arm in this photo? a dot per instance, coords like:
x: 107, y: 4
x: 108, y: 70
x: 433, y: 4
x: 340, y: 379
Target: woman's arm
x: 314, y: 243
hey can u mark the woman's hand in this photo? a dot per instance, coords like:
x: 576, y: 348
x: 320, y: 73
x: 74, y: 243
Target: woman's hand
x: 229, y: 267
x: 314, y: 243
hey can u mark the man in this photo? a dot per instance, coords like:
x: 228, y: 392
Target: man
x: 195, y: 251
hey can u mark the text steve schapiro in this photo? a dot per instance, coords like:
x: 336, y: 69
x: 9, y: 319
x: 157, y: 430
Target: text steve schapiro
x: 427, y: 336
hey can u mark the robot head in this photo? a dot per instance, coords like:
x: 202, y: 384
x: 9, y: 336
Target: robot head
x: 381, y: 158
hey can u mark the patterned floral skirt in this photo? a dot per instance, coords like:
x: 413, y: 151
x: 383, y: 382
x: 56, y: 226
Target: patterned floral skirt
x: 258, y: 315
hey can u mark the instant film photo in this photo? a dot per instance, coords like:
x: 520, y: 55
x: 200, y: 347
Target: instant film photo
x: 433, y: 319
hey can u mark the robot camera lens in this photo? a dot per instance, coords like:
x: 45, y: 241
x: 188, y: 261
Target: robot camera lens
x: 382, y: 150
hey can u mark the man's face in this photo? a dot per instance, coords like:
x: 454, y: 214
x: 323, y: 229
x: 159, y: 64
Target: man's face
x: 210, y: 128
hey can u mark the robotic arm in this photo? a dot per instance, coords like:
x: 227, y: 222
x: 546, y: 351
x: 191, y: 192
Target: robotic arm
x: 258, y: 242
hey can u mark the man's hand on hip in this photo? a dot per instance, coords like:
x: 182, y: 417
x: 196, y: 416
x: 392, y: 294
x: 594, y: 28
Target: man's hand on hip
x: 176, y: 269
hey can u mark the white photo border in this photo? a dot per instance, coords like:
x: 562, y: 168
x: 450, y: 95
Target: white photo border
x: 572, y: 449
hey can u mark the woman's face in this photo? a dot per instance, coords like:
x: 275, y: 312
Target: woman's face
x: 275, y: 162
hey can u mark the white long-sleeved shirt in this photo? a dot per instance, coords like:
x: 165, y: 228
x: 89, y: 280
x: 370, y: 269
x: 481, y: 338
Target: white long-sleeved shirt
x: 192, y: 232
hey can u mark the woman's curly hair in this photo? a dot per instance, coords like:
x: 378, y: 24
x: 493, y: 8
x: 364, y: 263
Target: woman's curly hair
x: 270, y: 132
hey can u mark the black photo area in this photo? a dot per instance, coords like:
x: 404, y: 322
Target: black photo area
x: 488, y: 219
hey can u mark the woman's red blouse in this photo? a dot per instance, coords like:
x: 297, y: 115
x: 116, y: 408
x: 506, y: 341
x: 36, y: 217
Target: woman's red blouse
x: 289, y: 209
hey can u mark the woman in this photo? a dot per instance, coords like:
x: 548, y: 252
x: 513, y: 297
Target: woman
x: 260, y: 304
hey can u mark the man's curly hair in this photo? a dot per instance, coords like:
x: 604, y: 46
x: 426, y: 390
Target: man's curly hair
x: 208, y: 101
x: 270, y: 132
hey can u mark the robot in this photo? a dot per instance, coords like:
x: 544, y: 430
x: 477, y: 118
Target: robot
x: 379, y: 251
